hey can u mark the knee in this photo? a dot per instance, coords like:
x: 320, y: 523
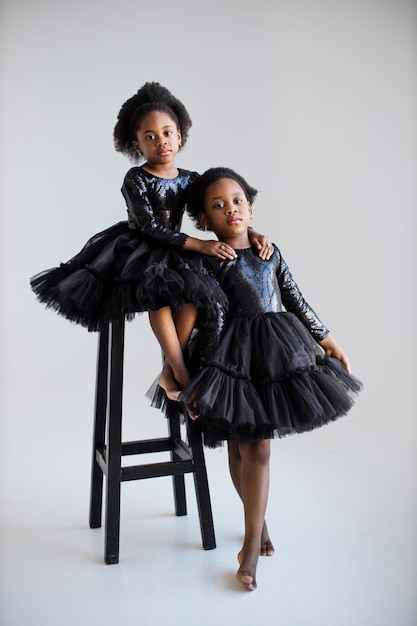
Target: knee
x: 258, y: 451
x: 263, y: 450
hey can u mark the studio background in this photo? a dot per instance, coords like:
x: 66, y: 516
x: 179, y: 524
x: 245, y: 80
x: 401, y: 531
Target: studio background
x: 314, y: 102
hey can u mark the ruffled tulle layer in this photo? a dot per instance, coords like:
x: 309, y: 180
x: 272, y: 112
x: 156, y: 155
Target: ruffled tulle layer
x: 268, y: 378
x: 119, y: 274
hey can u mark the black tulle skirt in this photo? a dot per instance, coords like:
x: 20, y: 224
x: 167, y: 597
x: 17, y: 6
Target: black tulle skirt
x: 268, y: 378
x: 119, y: 273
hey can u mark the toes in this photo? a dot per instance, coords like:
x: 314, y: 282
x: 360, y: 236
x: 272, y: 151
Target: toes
x: 246, y: 580
x: 267, y: 549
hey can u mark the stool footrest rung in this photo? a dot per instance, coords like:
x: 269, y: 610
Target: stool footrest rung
x: 154, y: 470
x: 182, y: 465
x: 146, y: 445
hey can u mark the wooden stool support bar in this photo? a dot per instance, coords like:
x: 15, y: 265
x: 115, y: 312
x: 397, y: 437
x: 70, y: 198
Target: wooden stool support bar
x: 108, y: 450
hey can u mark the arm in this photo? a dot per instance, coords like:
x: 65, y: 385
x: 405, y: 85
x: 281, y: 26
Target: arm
x: 210, y: 248
x: 293, y: 300
x: 142, y: 214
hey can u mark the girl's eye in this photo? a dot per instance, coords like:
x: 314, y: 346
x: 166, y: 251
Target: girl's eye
x: 218, y: 205
x: 238, y: 201
x: 149, y: 137
x: 168, y: 133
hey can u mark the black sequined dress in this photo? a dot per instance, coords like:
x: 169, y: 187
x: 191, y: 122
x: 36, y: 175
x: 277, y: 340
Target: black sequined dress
x: 135, y: 265
x: 266, y: 375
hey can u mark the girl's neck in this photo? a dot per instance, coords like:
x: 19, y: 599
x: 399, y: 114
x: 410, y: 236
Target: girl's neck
x: 161, y: 171
x: 237, y: 243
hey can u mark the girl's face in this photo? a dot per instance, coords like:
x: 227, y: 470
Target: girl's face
x: 157, y: 138
x: 227, y: 211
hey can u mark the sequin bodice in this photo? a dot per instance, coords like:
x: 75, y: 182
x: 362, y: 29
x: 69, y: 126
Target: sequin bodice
x: 255, y: 286
x: 155, y: 205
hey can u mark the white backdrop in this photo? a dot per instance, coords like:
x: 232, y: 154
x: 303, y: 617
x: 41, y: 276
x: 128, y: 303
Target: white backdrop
x: 314, y: 102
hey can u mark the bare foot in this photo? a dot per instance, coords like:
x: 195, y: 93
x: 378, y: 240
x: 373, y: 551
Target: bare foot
x: 169, y: 384
x: 267, y: 548
x: 243, y: 574
x: 172, y: 381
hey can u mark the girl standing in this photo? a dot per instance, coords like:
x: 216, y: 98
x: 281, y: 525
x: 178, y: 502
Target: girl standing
x: 269, y: 372
x: 145, y: 263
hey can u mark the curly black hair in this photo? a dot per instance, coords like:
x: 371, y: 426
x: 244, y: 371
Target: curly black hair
x: 197, y: 190
x: 150, y: 97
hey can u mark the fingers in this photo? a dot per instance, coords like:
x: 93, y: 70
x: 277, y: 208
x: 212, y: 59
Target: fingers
x: 191, y: 415
x: 224, y: 251
x: 266, y: 251
x: 346, y: 364
x: 342, y: 357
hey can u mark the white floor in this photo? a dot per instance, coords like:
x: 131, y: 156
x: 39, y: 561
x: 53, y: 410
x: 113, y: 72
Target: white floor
x: 332, y: 550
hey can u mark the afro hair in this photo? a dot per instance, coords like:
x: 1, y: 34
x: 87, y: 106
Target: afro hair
x: 150, y: 97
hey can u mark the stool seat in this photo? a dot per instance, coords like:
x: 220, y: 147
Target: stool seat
x: 186, y: 456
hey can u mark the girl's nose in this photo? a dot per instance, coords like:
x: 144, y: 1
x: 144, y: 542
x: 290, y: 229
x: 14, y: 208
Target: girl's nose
x: 162, y: 141
x: 231, y: 210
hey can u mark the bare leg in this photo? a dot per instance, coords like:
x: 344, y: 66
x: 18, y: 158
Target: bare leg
x: 235, y: 466
x: 173, y: 335
x: 184, y: 321
x: 254, y: 487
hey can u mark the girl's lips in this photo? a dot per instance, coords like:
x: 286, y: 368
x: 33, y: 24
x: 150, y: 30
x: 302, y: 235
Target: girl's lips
x: 163, y: 152
x: 234, y: 220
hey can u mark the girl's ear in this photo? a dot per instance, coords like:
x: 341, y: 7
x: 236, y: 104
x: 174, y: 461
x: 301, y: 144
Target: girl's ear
x: 203, y: 221
x: 136, y: 146
x: 179, y: 139
x: 250, y: 210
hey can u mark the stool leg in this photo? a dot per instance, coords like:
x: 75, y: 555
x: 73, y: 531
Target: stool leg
x: 114, y: 444
x: 178, y: 482
x: 201, y: 485
x: 96, y: 491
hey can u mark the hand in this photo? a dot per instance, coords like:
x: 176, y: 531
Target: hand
x: 191, y: 415
x: 218, y: 249
x: 331, y: 348
x: 262, y: 243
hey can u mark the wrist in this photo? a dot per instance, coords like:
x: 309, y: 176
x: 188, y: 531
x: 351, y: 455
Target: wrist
x: 190, y: 243
x: 194, y: 245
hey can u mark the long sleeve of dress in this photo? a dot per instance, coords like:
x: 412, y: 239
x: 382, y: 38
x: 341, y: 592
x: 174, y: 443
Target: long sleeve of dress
x: 294, y: 302
x: 156, y: 211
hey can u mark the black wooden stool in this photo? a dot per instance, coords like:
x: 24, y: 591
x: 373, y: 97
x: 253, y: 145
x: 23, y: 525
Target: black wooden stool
x: 108, y: 450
